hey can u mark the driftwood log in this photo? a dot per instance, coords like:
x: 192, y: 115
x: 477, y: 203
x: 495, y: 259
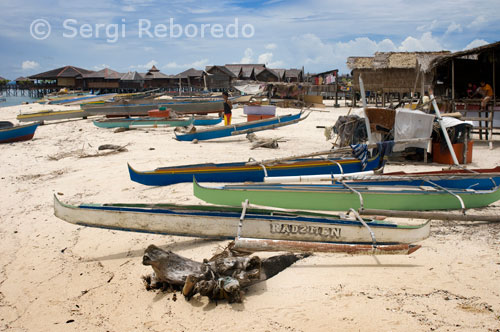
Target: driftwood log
x: 221, y: 277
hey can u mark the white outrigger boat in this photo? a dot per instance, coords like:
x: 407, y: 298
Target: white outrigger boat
x: 351, y: 234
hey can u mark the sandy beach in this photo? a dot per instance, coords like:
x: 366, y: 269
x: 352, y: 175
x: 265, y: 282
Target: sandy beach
x: 55, y: 276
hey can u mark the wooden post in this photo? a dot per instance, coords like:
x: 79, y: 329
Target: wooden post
x: 452, y: 80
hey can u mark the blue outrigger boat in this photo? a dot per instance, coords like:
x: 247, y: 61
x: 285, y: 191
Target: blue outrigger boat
x: 243, y: 171
x: 18, y: 133
x: 240, y: 128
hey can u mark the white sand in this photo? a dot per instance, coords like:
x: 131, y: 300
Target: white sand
x: 59, y: 277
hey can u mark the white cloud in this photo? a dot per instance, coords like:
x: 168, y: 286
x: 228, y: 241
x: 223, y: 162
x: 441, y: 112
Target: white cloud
x: 146, y: 66
x: 428, y: 27
x: 199, y: 64
x: 318, y: 55
x: 453, y: 27
x: 100, y: 67
x: 477, y: 23
x: 267, y: 59
x: 476, y: 43
x: 128, y: 9
x: 425, y: 43
x: 27, y: 65
x: 271, y: 46
x: 248, y: 56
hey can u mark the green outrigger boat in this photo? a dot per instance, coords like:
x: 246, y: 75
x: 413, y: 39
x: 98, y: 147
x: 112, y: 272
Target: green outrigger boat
x: 343, y: 197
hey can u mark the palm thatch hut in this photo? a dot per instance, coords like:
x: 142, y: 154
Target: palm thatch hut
x: 391, y: 72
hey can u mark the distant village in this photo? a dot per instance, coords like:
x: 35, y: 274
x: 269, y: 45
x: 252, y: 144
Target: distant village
x: 386, y: 75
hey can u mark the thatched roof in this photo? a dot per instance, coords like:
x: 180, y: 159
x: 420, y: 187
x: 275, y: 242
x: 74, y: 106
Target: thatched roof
x: 462, y: 54
x: 132, y: 76
x: 392, y: 60
x: 360, y: 62
x: 67, y: 71
x: 106, y: 73
x: 3, y: 79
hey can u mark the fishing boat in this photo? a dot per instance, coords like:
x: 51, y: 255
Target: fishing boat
x: 141, y: 107
x: 18, y: 133
x: 224, y: 223
x: 245, y: 171
x: 241, y: 128
x: 341, y: 197
x: 478, y: 179
x: 49, y: 115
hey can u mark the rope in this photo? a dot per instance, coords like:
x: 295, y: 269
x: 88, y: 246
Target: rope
x: 356, y: 214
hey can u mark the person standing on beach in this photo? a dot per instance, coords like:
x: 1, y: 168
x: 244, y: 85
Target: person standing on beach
x: 228, y: 106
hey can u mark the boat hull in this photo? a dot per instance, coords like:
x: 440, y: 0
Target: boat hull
x: 18, y: 133
x: 227, y: 131
x: 185, y: 107
x: 221, y: 222
x: 339, y: 198
x: 240, y: 172
x: 51, y: 115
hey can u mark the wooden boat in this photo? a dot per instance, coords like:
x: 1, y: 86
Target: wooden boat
x: 18, y: 133
x: 142, y: 123
x: 141, y: 107
x: 51, y: 115
x: 223, y: 222
x: 478, y: 179
x: 343, y: 197
x: 242, y: 171
x: 240, y: 128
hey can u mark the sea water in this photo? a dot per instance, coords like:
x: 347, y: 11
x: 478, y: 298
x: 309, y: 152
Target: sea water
x: 15, y: 100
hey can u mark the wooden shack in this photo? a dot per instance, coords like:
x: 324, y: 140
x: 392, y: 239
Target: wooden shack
x: 388, y: 73
x: 451, y: 75
x: 219, y: 77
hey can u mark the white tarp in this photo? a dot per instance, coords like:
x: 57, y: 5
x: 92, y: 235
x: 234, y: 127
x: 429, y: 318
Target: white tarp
x: 412, y: 124
x: 250, y: 89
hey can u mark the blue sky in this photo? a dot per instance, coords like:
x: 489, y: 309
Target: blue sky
x: 318, y: 35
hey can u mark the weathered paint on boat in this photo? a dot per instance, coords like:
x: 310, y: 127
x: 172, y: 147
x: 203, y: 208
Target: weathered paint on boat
x: 340, y: 198
x: 241, y: 172
x: 222, y: 222
x: 18, y: 133
x: 226, y: 131
x: 51, y: 115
